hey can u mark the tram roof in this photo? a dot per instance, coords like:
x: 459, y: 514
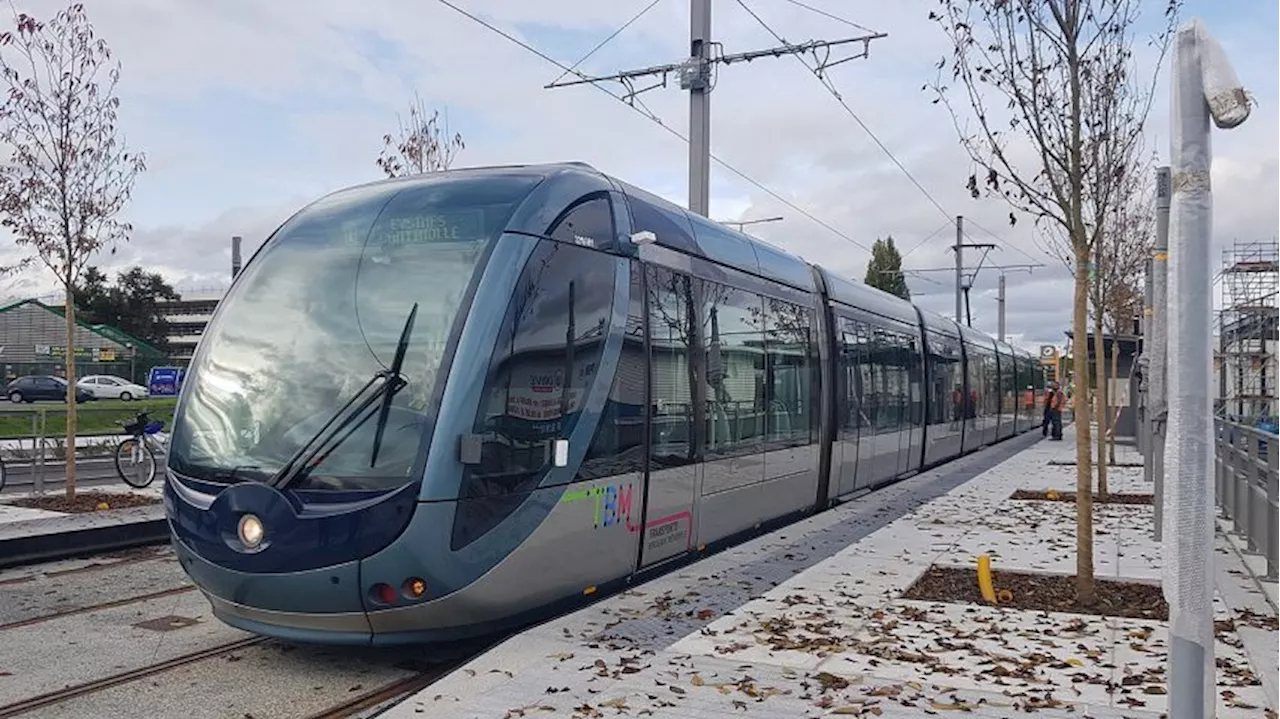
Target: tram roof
x: 695, y: 235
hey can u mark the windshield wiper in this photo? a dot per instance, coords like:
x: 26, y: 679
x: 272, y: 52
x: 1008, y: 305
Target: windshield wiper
x: 396, y: 363
x: 347, y: 418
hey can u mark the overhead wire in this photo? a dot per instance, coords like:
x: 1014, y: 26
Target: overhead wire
x: 833, y: 16
x: 606, y: 41
x: 829, y: 85
x: 656, y: 119
x: 836, y: 94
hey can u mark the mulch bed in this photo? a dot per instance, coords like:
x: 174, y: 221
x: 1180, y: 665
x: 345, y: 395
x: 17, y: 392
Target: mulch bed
x: 1111, y: 498
x: 84, y: 502
x: 1072, y: 463
x: 1041, y: 592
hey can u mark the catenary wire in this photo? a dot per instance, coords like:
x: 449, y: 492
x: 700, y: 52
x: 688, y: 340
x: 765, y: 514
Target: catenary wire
x: 658, y: 120
x: 606, y: 41
x: 826, y: 83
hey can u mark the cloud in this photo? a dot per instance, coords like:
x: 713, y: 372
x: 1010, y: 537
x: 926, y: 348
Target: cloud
x: 249, y: 109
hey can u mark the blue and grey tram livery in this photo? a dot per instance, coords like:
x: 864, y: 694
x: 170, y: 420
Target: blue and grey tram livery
x: 436, y: 407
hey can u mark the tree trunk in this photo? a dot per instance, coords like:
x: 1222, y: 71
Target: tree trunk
x: 69, y: 361
x: 1115, y: 372
x: 1100, y: 399
x: 1080, y: 405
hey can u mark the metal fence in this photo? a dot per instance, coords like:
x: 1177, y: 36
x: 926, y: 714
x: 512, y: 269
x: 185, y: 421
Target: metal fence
x: 33, y: 445
x: 1246, y: 487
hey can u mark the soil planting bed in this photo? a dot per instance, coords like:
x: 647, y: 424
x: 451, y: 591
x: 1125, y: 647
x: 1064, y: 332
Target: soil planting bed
x: 1111, y: 498
x: 1040, y: 592
x: 84, y: 502
x: 1072, y: 463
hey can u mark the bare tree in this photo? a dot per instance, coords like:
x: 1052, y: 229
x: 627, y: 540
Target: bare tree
x: 1055, y: 110
x: 421, y: 145
x: 68, y: 174
x: 1118, y: 256
x: 1127, y: 246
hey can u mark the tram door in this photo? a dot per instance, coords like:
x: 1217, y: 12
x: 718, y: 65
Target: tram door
x: 677, y: 413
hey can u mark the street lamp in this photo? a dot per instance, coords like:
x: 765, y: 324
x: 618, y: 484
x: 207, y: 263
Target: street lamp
x: 133, y: 373
x: 744, y: 223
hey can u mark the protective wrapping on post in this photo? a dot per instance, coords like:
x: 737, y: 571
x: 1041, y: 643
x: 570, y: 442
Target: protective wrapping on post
x: 1203, y: 82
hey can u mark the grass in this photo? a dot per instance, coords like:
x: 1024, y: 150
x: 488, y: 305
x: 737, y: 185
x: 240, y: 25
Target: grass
x: 98, y: 417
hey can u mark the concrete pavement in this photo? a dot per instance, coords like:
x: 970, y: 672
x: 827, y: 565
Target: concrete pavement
x: 838, y: 638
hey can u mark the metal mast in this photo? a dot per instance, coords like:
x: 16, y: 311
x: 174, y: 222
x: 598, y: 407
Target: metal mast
x: 696, y: 76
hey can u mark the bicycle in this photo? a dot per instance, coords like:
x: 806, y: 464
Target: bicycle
x: 136, y: 456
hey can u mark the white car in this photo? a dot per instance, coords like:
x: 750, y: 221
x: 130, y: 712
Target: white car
x: 105, y: 386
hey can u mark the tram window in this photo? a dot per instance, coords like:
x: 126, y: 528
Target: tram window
x: 915, y: 379
x: 618, y: 445
x: 993, y: 386
x: 789, y: 372
x: 538, y: 380
x: 671, y: 229
x: 588, y: 223
x: 849, y: 362
x: 672, y: 323
x: 732, y: 323
x: 948, y: 380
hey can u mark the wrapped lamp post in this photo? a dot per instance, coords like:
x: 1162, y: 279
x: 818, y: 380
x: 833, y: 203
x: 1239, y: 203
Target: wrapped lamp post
x: 1204, y: 86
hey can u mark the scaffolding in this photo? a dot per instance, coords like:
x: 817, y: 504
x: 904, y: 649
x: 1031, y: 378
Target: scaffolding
x: 1247, y: 330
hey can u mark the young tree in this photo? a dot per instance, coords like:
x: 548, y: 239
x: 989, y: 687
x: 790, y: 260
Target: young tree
x: 1127, y: 245
x: 419, y: 146
x: 69, y: 174
x: 884, y: 269
x: 1052, y: 109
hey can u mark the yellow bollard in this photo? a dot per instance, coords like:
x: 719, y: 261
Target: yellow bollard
x: 984, y: 579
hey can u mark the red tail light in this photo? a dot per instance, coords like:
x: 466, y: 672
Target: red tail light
x: 384, y: 593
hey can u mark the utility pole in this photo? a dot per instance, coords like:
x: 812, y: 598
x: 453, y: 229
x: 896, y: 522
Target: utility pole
x: 696, y: 76
x: 962, y: 290
x: 1000, y: 302
x: 1157, y: 398
x: 959, y: 248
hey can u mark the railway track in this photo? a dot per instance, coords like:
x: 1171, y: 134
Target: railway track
x: 78, y: 690
x: 385, y: 695
x: 96, y: 607
x: 382, y: 696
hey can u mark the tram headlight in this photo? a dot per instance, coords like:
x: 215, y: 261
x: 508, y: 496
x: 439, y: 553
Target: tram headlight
x: 251, y: 531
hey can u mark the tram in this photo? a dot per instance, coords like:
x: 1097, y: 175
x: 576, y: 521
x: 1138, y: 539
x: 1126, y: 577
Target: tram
x: 436, y: 407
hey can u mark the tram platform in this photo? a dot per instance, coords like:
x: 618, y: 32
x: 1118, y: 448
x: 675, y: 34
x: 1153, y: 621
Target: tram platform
x: 811, y: 620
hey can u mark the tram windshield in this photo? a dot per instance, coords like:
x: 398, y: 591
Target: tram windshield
x: 322, y: 309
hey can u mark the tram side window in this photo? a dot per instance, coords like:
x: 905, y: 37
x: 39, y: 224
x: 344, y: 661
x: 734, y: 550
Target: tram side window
x: 859, y: 349
x: 674, y: 365
x: 544, y: 365
x: 915, y: 379
x: 849, y: 362
x: 589, y: 223
x: 788, y: 370
x: 993, y: 385
x: 736, y: 399
x: 948, y: 380
x: 618, y: 446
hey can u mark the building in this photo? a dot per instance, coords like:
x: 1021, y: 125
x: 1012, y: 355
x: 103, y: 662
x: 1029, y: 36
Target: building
x: 33, y: 340
x: 1122, y: 392
x: 187, y: 317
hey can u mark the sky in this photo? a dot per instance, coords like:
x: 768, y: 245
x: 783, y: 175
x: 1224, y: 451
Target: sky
x: 248, y: 109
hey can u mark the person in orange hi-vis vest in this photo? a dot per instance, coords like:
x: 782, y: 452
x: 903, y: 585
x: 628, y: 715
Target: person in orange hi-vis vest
x: 1054, y: 402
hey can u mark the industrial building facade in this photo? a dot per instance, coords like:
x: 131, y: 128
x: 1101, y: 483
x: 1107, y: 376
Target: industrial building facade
x: 33, y: 340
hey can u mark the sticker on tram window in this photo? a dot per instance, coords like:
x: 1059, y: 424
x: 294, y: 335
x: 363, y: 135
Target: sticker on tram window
x: 457, y: 226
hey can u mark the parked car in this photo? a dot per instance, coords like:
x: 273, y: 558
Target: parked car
x: 106, y: 386
x: 33, y: 388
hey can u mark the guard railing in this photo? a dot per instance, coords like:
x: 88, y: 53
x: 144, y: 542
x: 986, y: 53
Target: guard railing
x: 1246, y: 487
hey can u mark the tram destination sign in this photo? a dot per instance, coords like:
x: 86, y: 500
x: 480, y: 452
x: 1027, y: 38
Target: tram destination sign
x: 417, y: 229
